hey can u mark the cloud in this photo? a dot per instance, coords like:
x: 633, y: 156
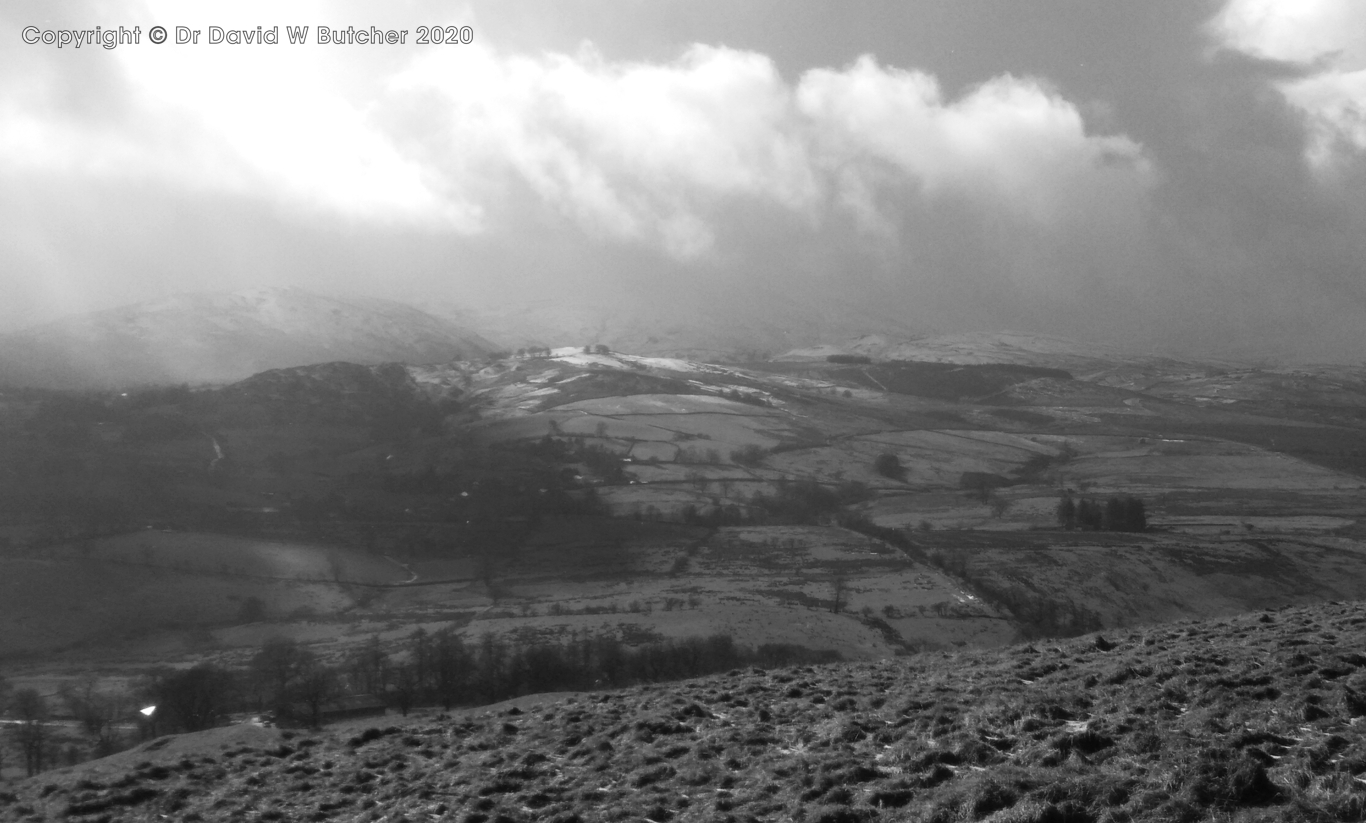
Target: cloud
x: 265, y: 121
x: 1326, y: 41
x: 649, y: 152
x: 468, y: 139
x: 1011, y: 143
x: 977, y: 207
x: 628, y: 151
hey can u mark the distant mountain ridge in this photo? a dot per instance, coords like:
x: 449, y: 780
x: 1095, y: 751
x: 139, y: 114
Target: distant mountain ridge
x: 202, y: 338
x: 728, y: 324
x: 978, y: 348
x: 221, y: 337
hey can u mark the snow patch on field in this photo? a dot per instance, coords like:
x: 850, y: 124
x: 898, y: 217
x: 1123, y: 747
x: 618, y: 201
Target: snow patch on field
x: 616, y: 360
x: 665, y: 404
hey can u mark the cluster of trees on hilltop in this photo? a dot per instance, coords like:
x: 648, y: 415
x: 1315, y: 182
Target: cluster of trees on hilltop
x: 1118, y: 514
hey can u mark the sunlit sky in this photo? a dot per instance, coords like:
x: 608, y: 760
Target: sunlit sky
x: 1178, y: 175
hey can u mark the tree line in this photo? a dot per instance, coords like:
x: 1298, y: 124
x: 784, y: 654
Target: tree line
x: 31, y: 737
x: 441, y: 669
x: 298, y: 686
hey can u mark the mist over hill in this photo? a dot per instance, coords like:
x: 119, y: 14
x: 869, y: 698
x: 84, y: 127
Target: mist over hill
x: 721, y: 321
x: 219, y: 337
x: 206, y: 337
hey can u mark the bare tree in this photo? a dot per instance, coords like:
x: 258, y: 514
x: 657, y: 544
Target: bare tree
x: 838, y: 588
x: 450, y: 666
x: 30, y: 709
x: 370, y: 666
x: 421, y: 656
x: 193, y: 699
x: 4, y: 701
x: 316, y: 685
x: 1067, y: 512
x: 98, y: 711
x: 406, y: 686
x: 276, y: 669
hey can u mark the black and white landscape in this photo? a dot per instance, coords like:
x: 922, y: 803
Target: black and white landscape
x: 753, y: 412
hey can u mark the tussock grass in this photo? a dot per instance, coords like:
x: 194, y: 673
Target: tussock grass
x: 1183, y: 722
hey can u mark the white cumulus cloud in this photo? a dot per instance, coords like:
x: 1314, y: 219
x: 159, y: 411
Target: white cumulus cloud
x: 1328, y: 39
x: 1010, y: 142
x: 627, y: 150
x: 650, y: 151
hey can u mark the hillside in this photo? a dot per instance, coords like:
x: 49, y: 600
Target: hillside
x: 559, y: 491
x: 1256, y: 717
x: 560, y: 499
x: 973, y: 349
x: 214, y: 338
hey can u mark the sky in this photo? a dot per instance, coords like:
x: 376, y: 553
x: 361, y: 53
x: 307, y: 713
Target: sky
x: 1183, y: 176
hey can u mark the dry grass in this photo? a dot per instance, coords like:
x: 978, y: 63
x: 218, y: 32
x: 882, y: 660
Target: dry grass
x: 1251, y: 718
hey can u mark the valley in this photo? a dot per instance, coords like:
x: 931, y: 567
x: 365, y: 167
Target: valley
x: 656, y: 412
x: 867, y: 510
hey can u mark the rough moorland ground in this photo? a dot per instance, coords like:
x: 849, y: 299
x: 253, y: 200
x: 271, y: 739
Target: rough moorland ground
x: 1257, y: 717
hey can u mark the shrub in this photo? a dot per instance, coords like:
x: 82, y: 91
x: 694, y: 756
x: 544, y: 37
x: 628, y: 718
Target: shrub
x: 999, y: 506
x: 749, y: 455
x: 251, y: 611
x: 889, y: 465
x: 982, y: 484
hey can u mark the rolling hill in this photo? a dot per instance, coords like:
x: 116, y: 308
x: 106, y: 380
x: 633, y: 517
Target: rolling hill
x: 573, y: 484
x: 216, y: 338
x: 532, y: 501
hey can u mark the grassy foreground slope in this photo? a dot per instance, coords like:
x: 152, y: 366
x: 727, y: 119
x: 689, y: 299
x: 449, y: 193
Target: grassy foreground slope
x: 1257, y: 717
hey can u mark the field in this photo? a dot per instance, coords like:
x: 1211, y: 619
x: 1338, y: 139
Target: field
x: 91, y: 609
x: 200, y: 553
x: 137, y: 597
